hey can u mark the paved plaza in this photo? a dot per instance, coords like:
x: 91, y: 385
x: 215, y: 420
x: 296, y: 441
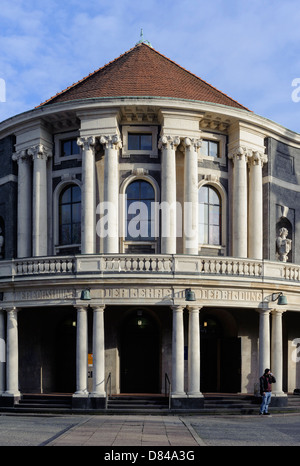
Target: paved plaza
x: 187, y: 432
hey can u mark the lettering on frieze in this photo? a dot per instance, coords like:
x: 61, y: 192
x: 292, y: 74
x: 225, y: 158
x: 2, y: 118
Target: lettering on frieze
x: 45, y: 294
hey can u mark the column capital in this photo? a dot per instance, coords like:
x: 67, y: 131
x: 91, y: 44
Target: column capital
x: 111, y: 141
x: 192, y: 143
x: 39, y: 152
x: 239, y: 153
x: 87, y: 143
x: 177, y: 307
x: 169, y: 142
x: 98, y: 307
x: 277, y: 312
x: 257, y: 158
x: 20, y: 156
x: 193, y: 308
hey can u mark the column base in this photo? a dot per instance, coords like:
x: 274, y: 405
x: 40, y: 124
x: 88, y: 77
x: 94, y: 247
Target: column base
x: 279, y: 399
x: 9, y: 400
x: 194, y: 395
x: 187, y: 402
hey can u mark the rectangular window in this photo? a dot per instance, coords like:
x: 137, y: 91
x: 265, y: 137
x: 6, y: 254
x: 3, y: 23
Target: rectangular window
x: 69, y: 147
x: 139, y: 141
x: 209, y: 148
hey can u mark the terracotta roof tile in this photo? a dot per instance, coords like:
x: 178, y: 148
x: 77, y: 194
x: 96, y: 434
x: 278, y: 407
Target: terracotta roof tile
x: 142, y: 71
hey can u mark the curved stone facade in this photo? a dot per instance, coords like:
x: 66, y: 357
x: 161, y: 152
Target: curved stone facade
x: 168, y: 214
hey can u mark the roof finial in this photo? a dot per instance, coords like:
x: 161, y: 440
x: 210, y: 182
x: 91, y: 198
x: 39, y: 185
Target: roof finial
x: 142, y: 40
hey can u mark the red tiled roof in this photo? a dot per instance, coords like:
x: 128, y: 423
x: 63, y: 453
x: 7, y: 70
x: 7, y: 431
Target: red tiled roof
x: 142, y: 71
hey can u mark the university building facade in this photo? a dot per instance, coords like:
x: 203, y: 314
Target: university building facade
x: 149, y: 234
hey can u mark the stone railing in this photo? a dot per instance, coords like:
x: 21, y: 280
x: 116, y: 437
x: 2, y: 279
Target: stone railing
x: 165, y: 265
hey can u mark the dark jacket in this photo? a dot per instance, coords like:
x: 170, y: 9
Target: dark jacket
x: 265, y: 382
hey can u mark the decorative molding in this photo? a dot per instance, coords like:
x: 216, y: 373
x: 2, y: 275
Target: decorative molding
x: 111, y: 141
x: 169, y: 142
x: 87, y: 143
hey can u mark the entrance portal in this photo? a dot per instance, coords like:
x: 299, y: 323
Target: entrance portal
x: 140, y: 354
x: 220, y: 358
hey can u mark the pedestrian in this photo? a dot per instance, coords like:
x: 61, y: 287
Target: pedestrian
x: 266, y: 381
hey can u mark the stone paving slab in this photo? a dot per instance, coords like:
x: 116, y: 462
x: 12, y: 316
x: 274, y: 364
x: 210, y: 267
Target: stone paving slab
x: 129, y: 430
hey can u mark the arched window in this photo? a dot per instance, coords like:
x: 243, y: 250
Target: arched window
x: 70, y: 216
x: 209, y: 216
x: 139, y: 224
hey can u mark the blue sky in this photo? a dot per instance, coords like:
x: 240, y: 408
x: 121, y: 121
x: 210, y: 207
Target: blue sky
x: 247, y: 49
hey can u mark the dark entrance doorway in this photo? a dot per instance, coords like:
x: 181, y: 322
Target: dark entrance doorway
x: 220, y: 359
x: 139, y: 354
x: 65, y: 358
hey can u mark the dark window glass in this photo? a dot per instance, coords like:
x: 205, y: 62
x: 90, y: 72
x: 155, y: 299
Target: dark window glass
x: 69, y: 147
x: 209, y: 216
x: 139, y: 197
x: 210, y: 148
x: 70, y: 216
x: 139, y: 141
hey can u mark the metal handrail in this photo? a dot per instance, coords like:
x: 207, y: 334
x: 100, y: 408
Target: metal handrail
x: 168, y: 392
x: 108, y: 381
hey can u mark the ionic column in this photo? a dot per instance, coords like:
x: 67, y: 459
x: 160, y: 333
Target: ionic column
x: 12, y: 354
x: 88, y: 195
x: 194, y: 353
x: 111, y: 144
x: 2, y: 352
x: 264, y: 340
x: 24, y: 204
x: 98, y: 353
x: 81, y: 353
x: 178, y: 352
x: 168, y: 146
x: 190, y: 243
x: 256, y: 205
x: 239, y: 213
x: 40, y: 156
x: 276, y: 358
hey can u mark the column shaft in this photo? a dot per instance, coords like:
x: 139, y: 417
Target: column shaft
x: 12, y: 354
x: 178, y: 352
x: 81, y: 353
x: 39, y: 200
x: 256, y: 207
x: 24, y: 204
x: 168, y: 194
x: 98, y: 352
x: 111, y: 193
x: 264, y: 340
x: 239, y: 217
x: 276, y: 360
x: 194, y: 353
x: 88, y: 196
x: 2, y: 352
x: 191, y: 197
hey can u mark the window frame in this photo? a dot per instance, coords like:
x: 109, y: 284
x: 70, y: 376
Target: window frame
x: 70, y: 186
x: 58, y: 141
x: 143, y: 129
x: 217, y: 138
x: 220, y: 190
x: 209, y: 225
